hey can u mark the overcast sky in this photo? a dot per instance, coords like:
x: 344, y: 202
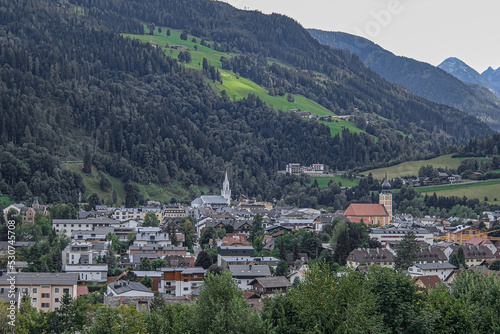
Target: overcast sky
x: 426, y: 30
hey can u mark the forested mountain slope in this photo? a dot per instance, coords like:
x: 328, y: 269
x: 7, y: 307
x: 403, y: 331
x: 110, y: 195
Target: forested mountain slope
x: 71, y: 87
x: 421, y: 78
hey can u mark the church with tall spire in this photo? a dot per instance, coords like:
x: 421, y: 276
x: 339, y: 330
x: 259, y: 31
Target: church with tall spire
x: 216, y: 202
x: 385, y: 196
x: 226, y: 191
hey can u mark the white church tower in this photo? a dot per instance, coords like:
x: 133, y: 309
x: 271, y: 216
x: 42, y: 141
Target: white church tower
x: 226, y: 191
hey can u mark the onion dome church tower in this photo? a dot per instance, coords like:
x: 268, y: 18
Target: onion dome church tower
x: 385, y: 196
x: 226, y: 191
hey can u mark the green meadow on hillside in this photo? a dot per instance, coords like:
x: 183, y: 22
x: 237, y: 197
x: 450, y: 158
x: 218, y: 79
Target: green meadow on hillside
x: 323, y: 181
x: 235, y: 86
x: 150, y: 192
x: 411, y: 167
x: 489, y: 190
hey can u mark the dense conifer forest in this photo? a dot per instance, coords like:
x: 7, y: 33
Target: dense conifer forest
x: 73, y: 89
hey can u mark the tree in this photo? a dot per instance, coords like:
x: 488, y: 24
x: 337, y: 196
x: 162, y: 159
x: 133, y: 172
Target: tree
x: 114, y: 195
x: 147, y: 281
x: 159, y: 263
x: 93, y: 200
x: 168, y: 32
x: 87, y: 161
x: 208, y: 233
x: 184, y: 36
x: 104, y: 182
x: 203, y: 260
x: 407, y: 252
x: 290, y: 98
x: 257, y: 228
x: 398, y: 300
x: 282, y: 269
x: 150, y: 220
x: 145, y: 264
x: 222, y: 309
x: 495, y: 265
x: 110, y: 259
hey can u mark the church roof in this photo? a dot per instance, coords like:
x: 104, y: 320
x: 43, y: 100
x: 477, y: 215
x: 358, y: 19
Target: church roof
x: 366, y: 210
x: 213, y: 199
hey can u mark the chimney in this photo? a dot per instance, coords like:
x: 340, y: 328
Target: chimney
x: 250, y: 267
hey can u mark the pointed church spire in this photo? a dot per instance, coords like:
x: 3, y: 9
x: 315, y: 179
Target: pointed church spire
x: 226, y: 191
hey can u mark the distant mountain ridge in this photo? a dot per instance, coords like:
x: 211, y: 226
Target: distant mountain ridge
x: 421, y: 78
x: 464, y: 72
x: 493, y: 77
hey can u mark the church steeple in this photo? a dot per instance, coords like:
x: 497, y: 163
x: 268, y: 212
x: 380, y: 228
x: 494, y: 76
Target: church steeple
x: 385, y: 196
x: 226, y: 191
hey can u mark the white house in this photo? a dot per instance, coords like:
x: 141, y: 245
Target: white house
x: 442, y: 270
x: 88, y: 272
x: 244, y: 274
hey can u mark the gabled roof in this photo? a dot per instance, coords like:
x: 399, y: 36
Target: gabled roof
x: 82, y: 290
x: 272, y: 282
x: 366, y: 210
x: 431, y: 266
x: 368, y: 255
x: 120, y: 287
x: 428, y: 281
x: 250, y: 270
x: 25, y: 278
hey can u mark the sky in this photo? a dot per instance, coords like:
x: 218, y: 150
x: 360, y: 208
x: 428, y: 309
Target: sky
x: 426, y: 30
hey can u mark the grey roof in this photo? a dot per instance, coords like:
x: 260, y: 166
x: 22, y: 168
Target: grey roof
x: 361, y: 255
x: 4, y: 245
x: 429, y: 266
x: 120, y: 287
x: 250, y: 270
x: 432, y: 253
x: 158, y: 248
x: 24, y: 278
x: 214, y: 200
x: 185, y: 271
x: 96, y: 221
x: 272, y: 282
x: 235, y: 251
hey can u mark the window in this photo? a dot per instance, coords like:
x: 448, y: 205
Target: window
x: 24, y: 290
x: 45, y: 295
x: 56, y: 300
x: 66, y: 290
x: 34, y: 300
x: 35, y: 290
x: 186, y: 289
x: 1, y: 290
x: 56, y: 290
x: 45, y: 305
x: 185, y: 280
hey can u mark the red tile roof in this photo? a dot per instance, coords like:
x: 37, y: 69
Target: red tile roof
x: 428, y: 281
x: 366, y: 210
x: 82, y: 290
x: 478, y: 242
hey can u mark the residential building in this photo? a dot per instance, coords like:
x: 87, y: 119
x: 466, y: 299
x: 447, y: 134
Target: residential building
x: 147, y: 236
x: 425, y: 282
x: 181, y: 281
x: 389, y: 234
x: 68, y: 226
x: 156, y: 277
x: 88, y: 272
x: 370, y: 256
x: 475, y: 255
x: 246, y: 274
x: 233, y: 251
x: 45, y: 289
x: 442, y: 270
x: 462, y: 233
x: 158, y: 250
x: 128, y: 293
x: 246, y: 260
x: 270, y: 285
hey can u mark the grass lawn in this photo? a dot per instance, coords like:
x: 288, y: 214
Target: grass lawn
x: 480, y: 190
x: 412, y: 167
x: 323, y: 181
x: 5, y: 201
